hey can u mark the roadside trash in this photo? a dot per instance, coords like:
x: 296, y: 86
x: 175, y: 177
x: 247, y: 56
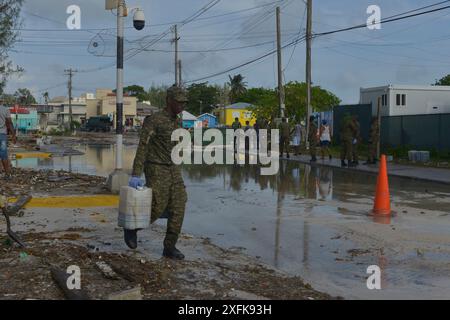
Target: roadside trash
x: 134, y: 208
x: 23, y: 256
x: 92, y: 247
x: 131, y: 294
x: 106, y: 270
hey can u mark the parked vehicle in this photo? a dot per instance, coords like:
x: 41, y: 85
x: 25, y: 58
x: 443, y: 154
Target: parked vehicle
x: 98, y: 124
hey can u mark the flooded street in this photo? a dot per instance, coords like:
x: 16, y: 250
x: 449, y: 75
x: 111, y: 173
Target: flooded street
x: 313, y: 222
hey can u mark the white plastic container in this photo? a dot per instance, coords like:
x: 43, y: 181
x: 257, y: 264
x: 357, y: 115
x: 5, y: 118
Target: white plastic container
x: 424, y: 156
x: 135, y: 207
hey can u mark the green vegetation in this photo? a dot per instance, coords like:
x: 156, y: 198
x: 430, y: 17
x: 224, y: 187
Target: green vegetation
x: 9, y: 24
x: 266, y: 100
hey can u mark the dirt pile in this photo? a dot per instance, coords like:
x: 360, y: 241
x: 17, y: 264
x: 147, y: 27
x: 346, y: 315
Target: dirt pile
x: 28, y: 181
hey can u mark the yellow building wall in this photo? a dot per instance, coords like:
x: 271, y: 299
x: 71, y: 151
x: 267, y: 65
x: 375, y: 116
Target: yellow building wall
x: 227, y: 116
x: 91, y: 108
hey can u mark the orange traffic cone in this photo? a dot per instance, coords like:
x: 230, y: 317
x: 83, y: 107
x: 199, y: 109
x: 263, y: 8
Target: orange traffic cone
x: 382, y: 203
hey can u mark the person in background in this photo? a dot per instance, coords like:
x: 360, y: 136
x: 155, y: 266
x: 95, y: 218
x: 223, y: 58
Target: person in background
x: 285, y: 133
x: 325, y: 139
x: 373, y: 141
x: 257, y: 126
x: 356, y: 140
x: 6, y: 127
x: 247, y: 125
x: 312, y: 138
x: 236, y: 125
x: 247, y: 140
x: 297, y: 139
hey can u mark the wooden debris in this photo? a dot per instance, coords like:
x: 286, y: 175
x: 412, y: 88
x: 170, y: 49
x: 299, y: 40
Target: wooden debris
x: 60, y: 277
x: 131, y: 294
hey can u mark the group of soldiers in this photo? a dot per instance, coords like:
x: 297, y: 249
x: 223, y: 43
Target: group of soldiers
x: 351, y: 139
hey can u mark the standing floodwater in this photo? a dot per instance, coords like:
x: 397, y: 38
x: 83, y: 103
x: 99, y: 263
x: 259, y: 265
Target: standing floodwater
x: 311, y: 221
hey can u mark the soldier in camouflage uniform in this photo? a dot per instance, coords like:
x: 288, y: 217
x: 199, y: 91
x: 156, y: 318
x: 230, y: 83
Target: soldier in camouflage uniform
x: 373, y: 141
x: 153, y: 157
x: 285, y: 133
x: 312, y: 138
x: 356, y: 140
x: 347, y: 133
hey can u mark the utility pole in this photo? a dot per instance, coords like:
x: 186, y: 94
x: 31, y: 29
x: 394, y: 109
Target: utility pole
x: 280, y: 67
x: 175, y: 40
x: 70, y: 73
x: 379, y: 127
x: 308, y: 66
x: 119, y: 85
x: 180, y: 83
x: 119, y: 177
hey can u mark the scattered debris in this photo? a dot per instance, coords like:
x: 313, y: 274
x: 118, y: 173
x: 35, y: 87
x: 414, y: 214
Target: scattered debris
x: 106, y: 270
x: 25, y: 182
x: 131, y: 294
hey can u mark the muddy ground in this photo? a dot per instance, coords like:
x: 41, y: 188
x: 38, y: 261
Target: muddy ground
x: 219, y: 274
x: 62, y: 237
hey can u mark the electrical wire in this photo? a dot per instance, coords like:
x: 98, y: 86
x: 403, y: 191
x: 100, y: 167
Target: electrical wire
x: 299, y: 32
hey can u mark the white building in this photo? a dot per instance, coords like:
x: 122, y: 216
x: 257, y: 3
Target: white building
x: 400, y: 100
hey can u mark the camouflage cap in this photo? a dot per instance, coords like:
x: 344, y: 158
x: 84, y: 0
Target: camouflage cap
x: 177, y: 93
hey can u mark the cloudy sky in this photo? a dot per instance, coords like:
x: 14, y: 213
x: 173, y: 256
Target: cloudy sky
x: 412, y: 51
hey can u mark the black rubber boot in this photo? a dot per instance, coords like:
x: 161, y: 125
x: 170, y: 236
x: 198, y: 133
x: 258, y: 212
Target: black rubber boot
x: 173, y: 253
x: 130, y: 237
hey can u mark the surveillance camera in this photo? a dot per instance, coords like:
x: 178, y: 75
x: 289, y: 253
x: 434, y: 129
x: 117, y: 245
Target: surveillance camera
x: 139, y: 19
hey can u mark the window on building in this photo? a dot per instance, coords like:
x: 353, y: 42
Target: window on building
x: 384, y: 100
x: 403, y: 99
x: 399, y: 99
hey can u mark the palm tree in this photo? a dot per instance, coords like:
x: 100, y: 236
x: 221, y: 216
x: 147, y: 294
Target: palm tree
x: 237, y: 87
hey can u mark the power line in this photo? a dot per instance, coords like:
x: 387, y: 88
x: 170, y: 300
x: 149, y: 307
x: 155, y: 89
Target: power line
x: 299, y: 32
x: 165, y: 33
x: 150, y: 25
x: 248, y: 62
x: 383, y: 21
x: 387, y: 20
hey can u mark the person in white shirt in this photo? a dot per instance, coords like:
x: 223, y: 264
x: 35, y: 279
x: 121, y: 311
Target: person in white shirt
x: 325, y: 139
x: 297, y: 139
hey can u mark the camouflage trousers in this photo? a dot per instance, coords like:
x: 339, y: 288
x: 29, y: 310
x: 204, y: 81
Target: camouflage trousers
x: 168, y: 194
x: 313, y: 148
x: 346, y: 149
x: 372, y: 151
x: 284, y: 145
x: 355, y: 153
